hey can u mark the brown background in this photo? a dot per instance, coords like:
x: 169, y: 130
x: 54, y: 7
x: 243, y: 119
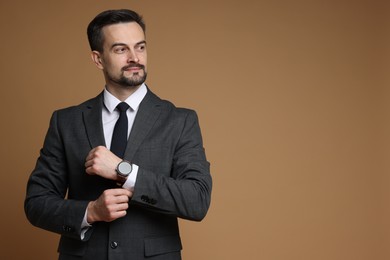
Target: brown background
x: 293, y: 101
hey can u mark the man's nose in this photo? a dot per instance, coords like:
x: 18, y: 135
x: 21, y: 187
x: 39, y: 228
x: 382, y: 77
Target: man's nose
x: 132, y: 57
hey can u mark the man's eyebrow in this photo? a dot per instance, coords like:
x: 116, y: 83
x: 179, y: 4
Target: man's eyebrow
x: 118, y: 44
x: 141, y: 42
x: 124, y: 44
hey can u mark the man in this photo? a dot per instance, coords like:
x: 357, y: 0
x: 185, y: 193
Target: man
x: 121, y: 203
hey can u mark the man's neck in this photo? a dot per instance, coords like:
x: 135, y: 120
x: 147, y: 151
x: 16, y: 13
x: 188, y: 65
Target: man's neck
x: 121, y: 92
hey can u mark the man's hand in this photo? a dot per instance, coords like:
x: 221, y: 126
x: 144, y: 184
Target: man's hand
x: 111, y: 205
x: 101, y: 161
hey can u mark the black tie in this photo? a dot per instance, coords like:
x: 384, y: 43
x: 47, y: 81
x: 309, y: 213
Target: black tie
x: 119, y: 136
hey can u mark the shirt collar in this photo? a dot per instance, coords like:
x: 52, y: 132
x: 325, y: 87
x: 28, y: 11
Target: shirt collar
x: 134, y: 100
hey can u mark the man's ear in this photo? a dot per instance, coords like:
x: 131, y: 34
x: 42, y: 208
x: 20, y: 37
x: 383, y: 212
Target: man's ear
x: 96, y: 58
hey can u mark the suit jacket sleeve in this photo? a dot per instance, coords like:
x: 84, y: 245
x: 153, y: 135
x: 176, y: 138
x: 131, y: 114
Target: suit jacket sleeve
x: 186, y: 191
x: 45, y: 204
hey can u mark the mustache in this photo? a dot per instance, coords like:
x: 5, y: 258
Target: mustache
x: 133, y: 66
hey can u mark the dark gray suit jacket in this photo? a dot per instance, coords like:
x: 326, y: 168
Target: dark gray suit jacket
x: 173, y: 181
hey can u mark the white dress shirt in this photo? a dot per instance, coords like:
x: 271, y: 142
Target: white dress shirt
x: 109, y: 117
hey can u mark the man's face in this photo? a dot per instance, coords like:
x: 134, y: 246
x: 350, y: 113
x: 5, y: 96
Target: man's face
x: 124, y: 58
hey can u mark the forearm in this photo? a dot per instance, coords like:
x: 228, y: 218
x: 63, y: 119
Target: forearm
x: 55, y: 214
x: 187, y: 198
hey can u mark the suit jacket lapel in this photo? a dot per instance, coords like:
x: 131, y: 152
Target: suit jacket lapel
x: 92, y: 115
x: 147, y: 114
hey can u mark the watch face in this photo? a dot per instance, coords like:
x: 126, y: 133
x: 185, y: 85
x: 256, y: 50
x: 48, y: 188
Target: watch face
x: 124, y: 168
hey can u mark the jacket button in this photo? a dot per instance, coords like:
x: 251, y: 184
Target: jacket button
x: 145, y: 198
x: 67, y: 229
x: 113, y: 244
x: 148, y: 200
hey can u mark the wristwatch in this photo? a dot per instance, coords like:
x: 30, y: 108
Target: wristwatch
x: 124, y: 169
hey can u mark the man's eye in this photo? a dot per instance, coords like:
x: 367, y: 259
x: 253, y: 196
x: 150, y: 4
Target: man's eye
x: 120, y: 50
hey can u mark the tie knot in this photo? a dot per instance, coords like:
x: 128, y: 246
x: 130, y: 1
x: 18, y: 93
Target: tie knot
x: 122, y: 107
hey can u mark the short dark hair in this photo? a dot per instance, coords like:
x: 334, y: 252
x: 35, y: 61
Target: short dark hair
x: 109, y: 17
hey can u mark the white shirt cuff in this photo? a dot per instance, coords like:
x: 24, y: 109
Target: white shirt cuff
x: 84, y: 225
x: 131, y: 179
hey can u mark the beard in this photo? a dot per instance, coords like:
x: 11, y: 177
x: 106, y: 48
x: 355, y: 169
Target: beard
x: 135, y: 80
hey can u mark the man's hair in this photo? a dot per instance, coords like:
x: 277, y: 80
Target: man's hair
x: 109, y: 17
